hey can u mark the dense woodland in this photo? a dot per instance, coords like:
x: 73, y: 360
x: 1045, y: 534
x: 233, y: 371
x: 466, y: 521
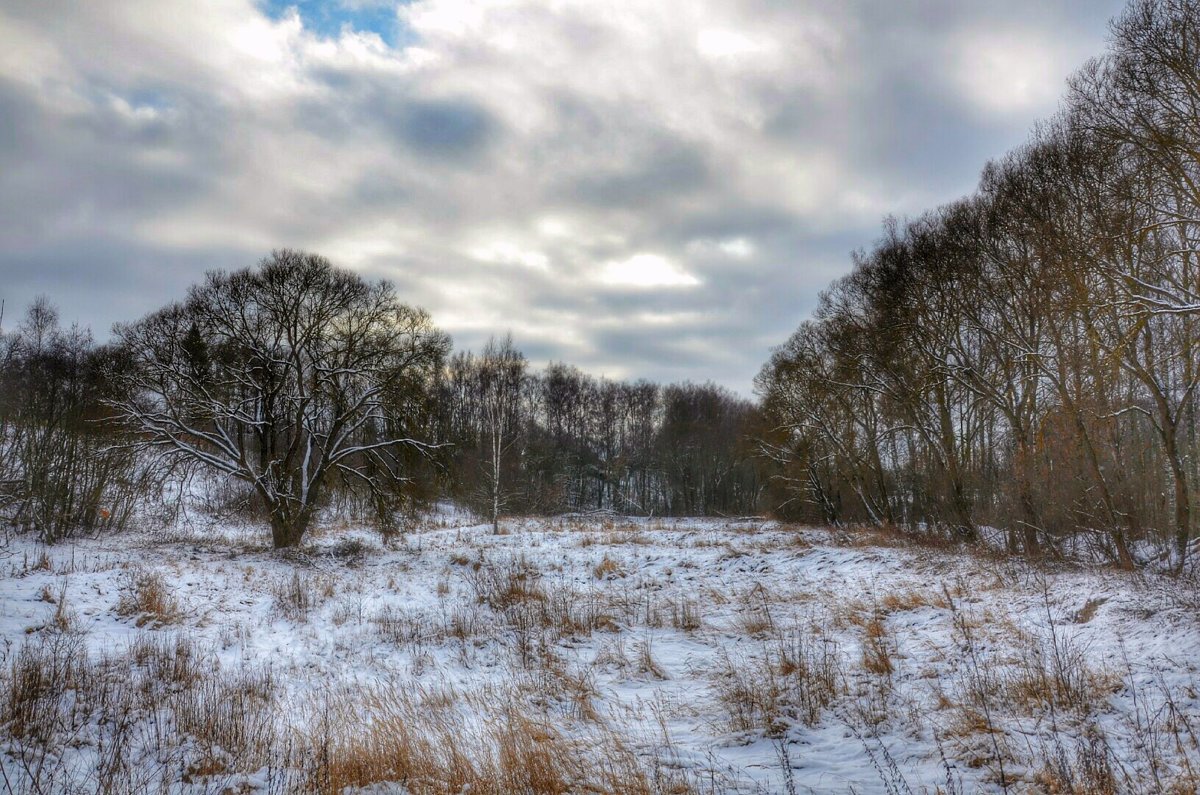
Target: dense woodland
x: 1025, y: 359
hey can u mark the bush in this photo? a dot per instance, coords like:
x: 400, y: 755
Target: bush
x: 66, y: 470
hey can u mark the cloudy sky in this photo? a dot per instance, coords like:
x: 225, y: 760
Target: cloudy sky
x: 645, y: 189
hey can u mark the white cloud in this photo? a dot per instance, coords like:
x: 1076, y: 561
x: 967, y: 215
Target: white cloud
x: 502, y: 252
x: 731, y: 248
x: 737, y: 247
x: 646, y: 270
x: 717, y: 43
x: 1013, y: 72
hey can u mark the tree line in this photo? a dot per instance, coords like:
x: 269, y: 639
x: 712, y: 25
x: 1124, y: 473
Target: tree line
x: 561, y: 440
x: 314, y: 389
x: 1025, y: 358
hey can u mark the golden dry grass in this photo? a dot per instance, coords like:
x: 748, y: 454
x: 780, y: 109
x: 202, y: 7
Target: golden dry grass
x: 147, y: 599
x: 607, y: 568
x: 423, y: 740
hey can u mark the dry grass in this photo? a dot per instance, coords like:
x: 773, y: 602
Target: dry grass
x: 901, y: 601
x: 1087, y: 768
x: 1053, y: 672
x: 1162, y: 760
x: 754, y: 623
x: 400, y: 627
x: 63, y: 619
x: 646, y: 664
x: 1089, y: 610
x: 39, y: 563
x: 1011, y: 705
x: 878, y: 647
x: 685, y: 613
x: 517, y: 591
x: 797, y: 676
x: 895, y: 536
x: 755, y: 618
x: 232, y: 720
x: 40, y: 674
x: 147, y: 599
x: 162, y: 711
x: 631, y: 535
x: 502, y: 586
x: 607, y: 568
x: 174, y: 661
x: 658, y: 609
x: 298, y: 595
x: 1048, y: 676
x: 425, y: 741
x: 165, y: 715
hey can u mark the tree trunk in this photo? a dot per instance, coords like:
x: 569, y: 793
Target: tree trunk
x: 1030, y: 522
x: 1124, y: 556
x: 287, y: 531
x: 1183, y: 506
x: 1092, y: 460
x: 496, y: 502
x: 497, y: 451
x: 959, y: 503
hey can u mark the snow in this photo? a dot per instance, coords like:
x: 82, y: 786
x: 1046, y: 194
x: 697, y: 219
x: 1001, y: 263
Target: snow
x: 380, y: 616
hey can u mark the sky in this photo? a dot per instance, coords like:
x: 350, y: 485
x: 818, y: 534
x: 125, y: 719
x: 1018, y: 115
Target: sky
x: 644, y: 189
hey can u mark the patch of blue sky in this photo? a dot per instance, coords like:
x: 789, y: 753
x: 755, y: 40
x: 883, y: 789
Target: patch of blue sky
x: 327, y: 18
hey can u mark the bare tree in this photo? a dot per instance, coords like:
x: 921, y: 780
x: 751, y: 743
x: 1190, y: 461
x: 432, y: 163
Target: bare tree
x: 1142, y: 101
x: 279, y: 376
x: 62, y: 468
x: 501, y: 374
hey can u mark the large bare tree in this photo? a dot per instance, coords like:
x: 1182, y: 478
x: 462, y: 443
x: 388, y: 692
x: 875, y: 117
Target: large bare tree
x: 279, y: 376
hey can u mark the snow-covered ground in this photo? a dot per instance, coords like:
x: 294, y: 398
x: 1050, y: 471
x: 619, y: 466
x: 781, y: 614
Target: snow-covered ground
x: 720, y: 656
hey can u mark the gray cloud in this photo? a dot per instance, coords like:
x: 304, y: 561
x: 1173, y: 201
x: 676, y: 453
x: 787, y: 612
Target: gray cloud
x: 644, y: 190
x: 445, y: 128
x: 651, y: 170
x: 100, y: 280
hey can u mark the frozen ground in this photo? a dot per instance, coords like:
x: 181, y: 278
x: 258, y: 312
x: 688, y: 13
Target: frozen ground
x: 720, y: 656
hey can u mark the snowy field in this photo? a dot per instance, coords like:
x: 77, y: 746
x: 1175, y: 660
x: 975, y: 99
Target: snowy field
x: 587, y: 655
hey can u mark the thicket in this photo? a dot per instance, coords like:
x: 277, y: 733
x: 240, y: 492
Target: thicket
x: 63, y: 466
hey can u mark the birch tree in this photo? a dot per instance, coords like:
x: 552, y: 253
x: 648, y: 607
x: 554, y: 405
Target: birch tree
x: 501, y: 373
